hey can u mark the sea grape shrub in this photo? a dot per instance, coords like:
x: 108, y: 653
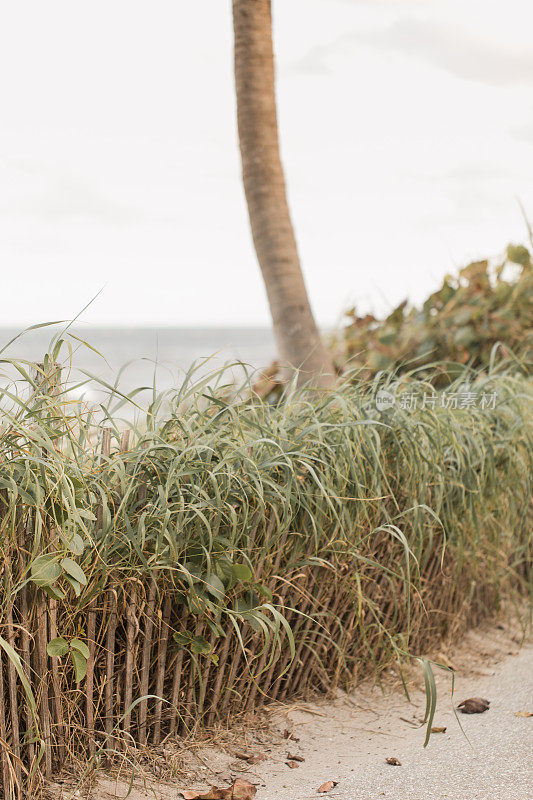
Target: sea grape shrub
x: 459, y: 324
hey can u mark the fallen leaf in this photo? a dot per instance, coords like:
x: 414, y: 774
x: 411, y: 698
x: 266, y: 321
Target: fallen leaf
x: 242, y: 790
x: 474, y: 705
x: 394, y: 762
x: 292, y: 764
x: 239, y: 790
x: 256, y: 759
x: 523, y: 714
x: 250, y: 757
x: 295, y: 758
x: 327, y: 787
x: 439, y: 729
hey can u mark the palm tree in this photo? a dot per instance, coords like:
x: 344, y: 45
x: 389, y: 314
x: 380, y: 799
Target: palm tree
x: 298, y: 339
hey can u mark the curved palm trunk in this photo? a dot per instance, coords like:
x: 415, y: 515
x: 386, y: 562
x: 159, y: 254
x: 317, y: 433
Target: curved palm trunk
x: 297, y: 335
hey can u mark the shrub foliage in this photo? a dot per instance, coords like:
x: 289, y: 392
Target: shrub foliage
x: 461, y: 323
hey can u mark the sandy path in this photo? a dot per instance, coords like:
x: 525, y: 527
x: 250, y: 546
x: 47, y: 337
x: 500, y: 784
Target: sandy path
x: 496, y: 765
x: 348, y: 740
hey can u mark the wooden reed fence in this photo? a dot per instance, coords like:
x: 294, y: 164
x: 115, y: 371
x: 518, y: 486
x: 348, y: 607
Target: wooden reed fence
x: 142, y: 687
x: 156, y: 668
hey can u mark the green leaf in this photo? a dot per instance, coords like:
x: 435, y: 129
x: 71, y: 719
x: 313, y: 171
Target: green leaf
x: 215, y: 587
x: 215, y: 627
x: 81, y: 647
x: 518, y: 254
x: 200, y: 645
x: 264, y: 591
x: 198, y: 602
x: 431, y: 696
x: 80, y: 665
x: 182, y: 638
x: 54, y: 593
x: 15, y: 660
x: 76, y: 585
x: 74, y: 570
x: 57, y: 648
x: 76, y: 545
x: 242, y: 573
x: 45, y: 570
x: 251, y: 619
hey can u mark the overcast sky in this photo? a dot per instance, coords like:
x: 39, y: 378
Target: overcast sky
x: 407, y: 134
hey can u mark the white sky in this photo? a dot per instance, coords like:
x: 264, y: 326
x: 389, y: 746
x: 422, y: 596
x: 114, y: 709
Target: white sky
x: 407, y: 133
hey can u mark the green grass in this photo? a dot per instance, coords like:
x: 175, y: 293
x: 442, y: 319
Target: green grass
x: 233, y: 551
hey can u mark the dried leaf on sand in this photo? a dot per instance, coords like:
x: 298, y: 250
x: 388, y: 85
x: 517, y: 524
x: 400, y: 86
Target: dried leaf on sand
x: 250, y: 757
x: 292, y: 757
x: 327, y: 787
x: 239, y: 790
x: 474, y: 705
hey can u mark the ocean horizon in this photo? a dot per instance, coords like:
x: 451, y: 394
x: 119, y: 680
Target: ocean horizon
x: 142, y: 355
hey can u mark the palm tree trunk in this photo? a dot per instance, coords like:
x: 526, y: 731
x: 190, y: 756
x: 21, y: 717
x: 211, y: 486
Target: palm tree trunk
x: 298, y: 339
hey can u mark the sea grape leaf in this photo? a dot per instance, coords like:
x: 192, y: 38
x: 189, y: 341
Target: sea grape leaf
x: 242, y: 573
x: 57, y: 647
x: 76, y: 585
x: 215, y: 587
x: 81, y: 647
x: 200, y: 645
x: 74, y: 570
x: 45, y: 570
x: 80, y: 665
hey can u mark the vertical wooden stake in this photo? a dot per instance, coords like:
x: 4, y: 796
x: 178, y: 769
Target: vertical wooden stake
x: 89, y: 680
x: 221, y: 672
x: 131, y: 633
x: 124, y: 441
x: 4, y: 759
x: 146, y: 659
x: 12, y: 677
x: 161, y: 663
x: 42, y: 664
x: 176, y: 686
x: 56, y: 684
x: 110, y: 666
x: 26, y: 666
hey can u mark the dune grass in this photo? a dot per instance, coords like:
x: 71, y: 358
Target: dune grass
x: 222, y: 551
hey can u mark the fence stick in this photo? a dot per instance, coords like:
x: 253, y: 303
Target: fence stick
x: 131, y: 633
x: 89, y: 680
x: 110, y: 666
x: 161, y: 662
x: 146, y: 658
x: 13, y: 701
x: 56, y: 685
x: 42, y: 672
x: 6, y: 783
